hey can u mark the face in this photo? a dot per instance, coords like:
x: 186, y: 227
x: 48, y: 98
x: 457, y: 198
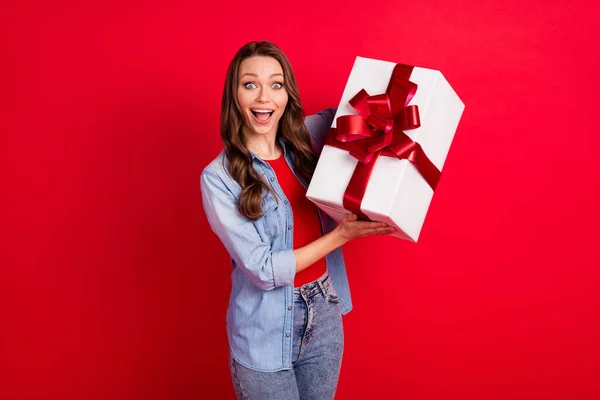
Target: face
x: 261, y: 95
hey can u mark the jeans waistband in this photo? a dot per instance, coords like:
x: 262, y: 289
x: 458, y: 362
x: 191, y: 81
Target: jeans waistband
x: 311, y: 289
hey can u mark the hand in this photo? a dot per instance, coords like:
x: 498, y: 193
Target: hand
x: 350, y: 228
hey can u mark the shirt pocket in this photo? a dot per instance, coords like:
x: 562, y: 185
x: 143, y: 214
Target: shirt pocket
x: 271, y: 219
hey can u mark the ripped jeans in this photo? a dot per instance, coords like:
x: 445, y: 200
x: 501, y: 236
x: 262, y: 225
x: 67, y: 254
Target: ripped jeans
x: 318, y: 345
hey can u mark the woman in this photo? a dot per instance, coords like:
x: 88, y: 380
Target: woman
x: 289, y: 284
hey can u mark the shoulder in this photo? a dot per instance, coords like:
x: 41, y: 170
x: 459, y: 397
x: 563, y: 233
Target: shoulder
x: 318, y: 126
x: 320, y: 121
x: 216, y: 177
x: 218, y: 166
x: 217, y: 173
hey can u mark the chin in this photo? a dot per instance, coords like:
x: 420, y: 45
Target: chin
x: 260, y: 129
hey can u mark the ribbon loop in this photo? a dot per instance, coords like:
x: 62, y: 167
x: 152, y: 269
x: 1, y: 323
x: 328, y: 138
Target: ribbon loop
x: 380, y: 104
x: 409, y: 118
x: 360, y: 103
x: 352, y: 128
x: 379, y: 123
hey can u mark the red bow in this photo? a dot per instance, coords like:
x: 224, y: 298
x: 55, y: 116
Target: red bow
x: 378, y: 130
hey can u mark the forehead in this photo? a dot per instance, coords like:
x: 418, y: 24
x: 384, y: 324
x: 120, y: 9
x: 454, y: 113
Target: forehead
x: 262, y: 66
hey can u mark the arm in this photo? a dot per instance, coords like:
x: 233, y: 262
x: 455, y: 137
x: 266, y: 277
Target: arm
x: 269, y: 269
x: 314, y: 251
x: 350, y: 228
x: 318, y: 126
x: 266, y: 268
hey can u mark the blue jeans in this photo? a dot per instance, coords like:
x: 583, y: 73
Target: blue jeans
x: 318, y: 344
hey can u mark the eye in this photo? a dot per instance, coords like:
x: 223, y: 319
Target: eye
x: 250, y: 85
x: 277, y: 85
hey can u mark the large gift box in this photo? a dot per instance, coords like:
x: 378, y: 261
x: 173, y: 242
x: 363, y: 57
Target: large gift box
x: 386, y: 148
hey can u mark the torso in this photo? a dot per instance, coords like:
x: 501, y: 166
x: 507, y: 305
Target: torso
x: 307, y: 227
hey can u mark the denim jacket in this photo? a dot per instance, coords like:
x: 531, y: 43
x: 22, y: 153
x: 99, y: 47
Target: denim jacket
x: 260, y: 311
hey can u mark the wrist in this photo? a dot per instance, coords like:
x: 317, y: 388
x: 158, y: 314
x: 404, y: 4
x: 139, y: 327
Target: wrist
x: 339, y: 237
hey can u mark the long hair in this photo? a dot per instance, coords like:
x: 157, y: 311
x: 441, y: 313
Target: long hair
x: 291, y: 128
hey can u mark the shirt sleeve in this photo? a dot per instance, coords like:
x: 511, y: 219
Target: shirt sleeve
x: 318, y: 126
x: 266, y: 268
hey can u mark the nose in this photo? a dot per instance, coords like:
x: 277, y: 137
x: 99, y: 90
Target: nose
x: 262, y: 95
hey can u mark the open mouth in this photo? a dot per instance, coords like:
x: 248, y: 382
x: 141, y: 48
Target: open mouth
x: 262, y: 115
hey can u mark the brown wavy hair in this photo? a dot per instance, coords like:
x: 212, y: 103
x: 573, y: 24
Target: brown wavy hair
x: 291, y: 128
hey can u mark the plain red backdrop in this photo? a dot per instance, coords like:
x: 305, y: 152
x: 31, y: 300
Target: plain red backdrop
x: 112, y: 285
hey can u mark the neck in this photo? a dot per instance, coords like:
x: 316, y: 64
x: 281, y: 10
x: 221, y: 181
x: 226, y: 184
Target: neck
x: 264, y: 147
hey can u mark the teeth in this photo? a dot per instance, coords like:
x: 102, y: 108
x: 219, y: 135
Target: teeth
x: 263, y: 111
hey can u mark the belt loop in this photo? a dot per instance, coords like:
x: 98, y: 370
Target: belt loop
x: 323, y: 291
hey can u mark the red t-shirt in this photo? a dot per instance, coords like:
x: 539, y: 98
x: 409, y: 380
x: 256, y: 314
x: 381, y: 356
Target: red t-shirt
x: 307, y: 227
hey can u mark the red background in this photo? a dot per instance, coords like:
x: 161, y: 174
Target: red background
x: 112, y: 285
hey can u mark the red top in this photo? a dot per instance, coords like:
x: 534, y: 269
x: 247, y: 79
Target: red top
x: 307, y: 227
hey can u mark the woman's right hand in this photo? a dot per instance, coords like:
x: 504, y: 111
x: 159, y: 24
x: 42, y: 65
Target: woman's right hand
x: 350, y: 228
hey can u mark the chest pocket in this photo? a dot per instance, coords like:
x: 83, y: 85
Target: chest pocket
x: 271, y: 219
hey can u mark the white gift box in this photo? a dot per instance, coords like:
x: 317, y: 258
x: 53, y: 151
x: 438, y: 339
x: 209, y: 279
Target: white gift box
x: 396, y: 192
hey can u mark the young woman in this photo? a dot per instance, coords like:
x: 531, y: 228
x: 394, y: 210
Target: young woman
x: 289, y: 283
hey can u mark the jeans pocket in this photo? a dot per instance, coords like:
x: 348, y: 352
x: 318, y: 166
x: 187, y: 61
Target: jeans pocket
x: 333, y: 298
x: 332, y: 294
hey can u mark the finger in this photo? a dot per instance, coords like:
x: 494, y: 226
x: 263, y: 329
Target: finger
x: 370, y: 225
x: 350, y: 217
x: 379, y: 231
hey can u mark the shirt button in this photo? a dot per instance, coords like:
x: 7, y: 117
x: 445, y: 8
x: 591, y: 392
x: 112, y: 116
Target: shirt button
x: 287, y: 335
x: 285, y: 202
x: 272, y: 178
x: 289, y: 227
x: 290, y: 308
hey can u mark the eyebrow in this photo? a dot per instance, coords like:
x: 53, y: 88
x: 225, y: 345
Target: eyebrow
x: 255, y: 75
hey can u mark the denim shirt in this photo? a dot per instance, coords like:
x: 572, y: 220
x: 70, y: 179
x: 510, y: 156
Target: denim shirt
x: 260, y: 311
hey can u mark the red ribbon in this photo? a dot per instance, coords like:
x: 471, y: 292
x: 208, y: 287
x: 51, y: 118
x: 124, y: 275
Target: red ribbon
x: 378, y: 130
